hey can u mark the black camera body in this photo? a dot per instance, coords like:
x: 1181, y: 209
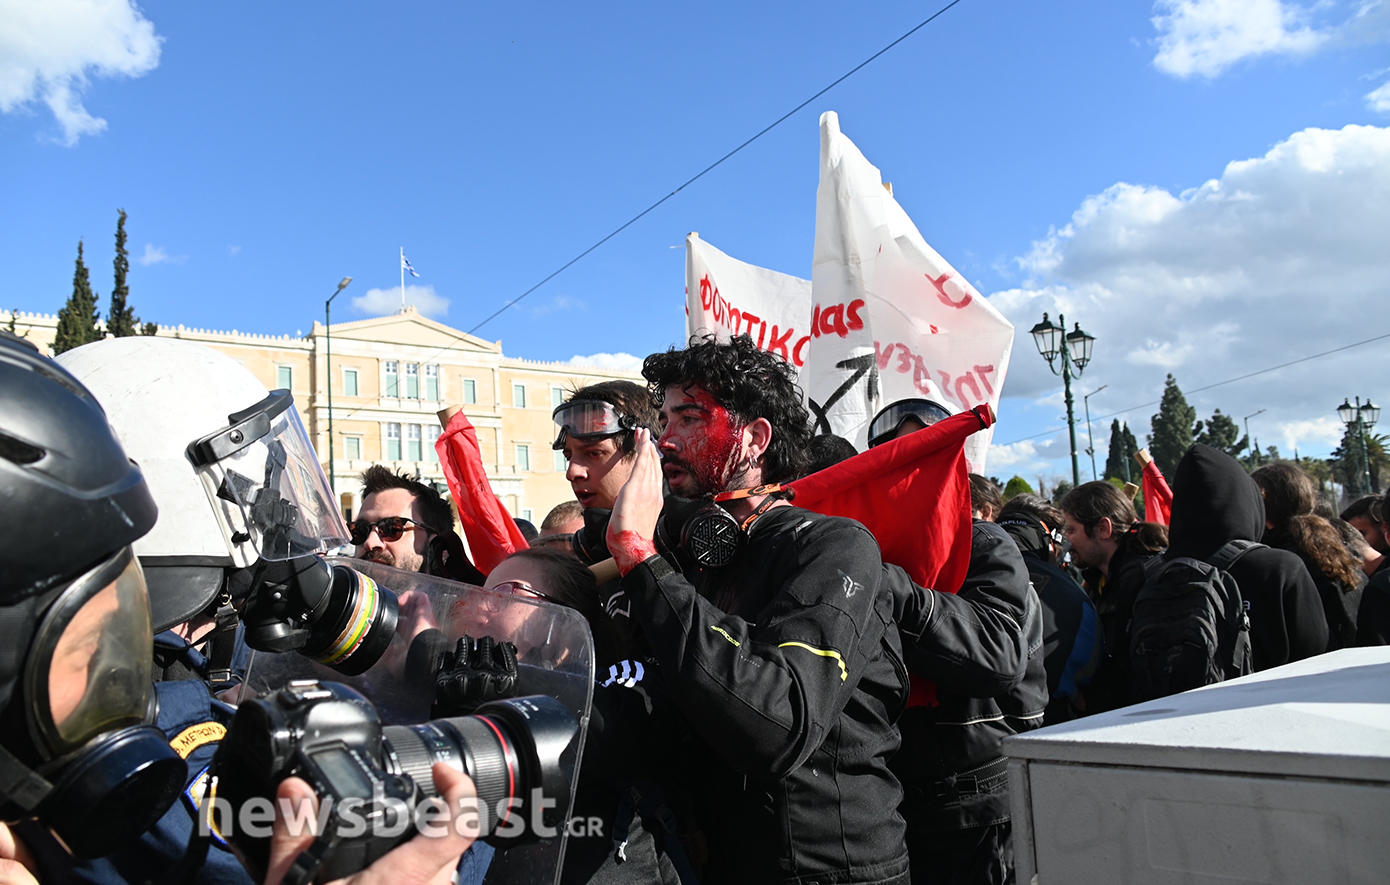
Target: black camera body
x: 369, y: 778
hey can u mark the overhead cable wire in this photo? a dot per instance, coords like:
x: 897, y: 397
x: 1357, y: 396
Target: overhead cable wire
x: 1302, y: 359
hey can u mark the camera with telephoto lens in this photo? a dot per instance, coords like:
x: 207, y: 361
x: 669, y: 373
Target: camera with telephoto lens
x: 335, y: 615
x: 369, y: 778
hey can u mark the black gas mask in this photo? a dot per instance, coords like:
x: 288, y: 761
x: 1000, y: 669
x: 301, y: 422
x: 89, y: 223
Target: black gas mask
x: 703, y: 532
x: 78, y: 749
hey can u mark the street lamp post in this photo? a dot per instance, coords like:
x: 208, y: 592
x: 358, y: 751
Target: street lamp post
x: 1075, y: 350
x: 1250, y: 440
x: 328, y: 355
x: 1091, y: 440
x: 1361, y: 417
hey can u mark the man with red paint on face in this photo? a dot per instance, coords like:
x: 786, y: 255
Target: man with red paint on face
x: 768, y: 625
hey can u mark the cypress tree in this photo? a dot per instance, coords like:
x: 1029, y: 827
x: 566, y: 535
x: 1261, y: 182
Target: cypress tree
x: 121, y: 321
x: 1017, y: 485
x: 1119, y: 462
x: 1172, y: 428
x: 77, y: 320
x: 1221, y: 432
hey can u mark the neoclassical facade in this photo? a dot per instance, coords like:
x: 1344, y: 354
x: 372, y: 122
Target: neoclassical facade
x: 390, y: 375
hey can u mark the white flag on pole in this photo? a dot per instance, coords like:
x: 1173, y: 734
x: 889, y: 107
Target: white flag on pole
x: 883, y: 318
x: 727, y: 297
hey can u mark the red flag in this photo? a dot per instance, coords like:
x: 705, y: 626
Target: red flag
x: 491, y: 532
x: 913, y: 494
x: 1158, y: 497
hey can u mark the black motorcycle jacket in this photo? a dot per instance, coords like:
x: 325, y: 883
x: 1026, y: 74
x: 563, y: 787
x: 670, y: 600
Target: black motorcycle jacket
x: 983, y: 649
x: 786, y: 666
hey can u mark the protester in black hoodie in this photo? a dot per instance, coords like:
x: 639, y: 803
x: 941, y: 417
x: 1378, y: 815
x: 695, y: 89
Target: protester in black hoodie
x: 1215, y: 501
x: 1290, y: 499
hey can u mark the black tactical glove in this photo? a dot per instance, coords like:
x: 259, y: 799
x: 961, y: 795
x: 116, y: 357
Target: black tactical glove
x: 474, y: 673
x: 446, y: 558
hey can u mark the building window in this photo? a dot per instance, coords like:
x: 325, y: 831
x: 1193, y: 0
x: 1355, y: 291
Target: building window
x: 432, y: 383
x: 284, y: 378
x: 393, y: 442
x: 523, y: 457
x: 350, y: 382
x: 352, y: 447
x: 561, y: 465
x: 519, y: 395
x: 432, y: 454
x: 392, y: 387
x: 412, y: 380
x: 412, y: 443
x: 557, y: 397
x: 528, y: 514
x: 470, y: 391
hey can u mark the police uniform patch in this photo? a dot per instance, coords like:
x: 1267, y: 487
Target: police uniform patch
x: 195, y: 736
x: 194, y: 795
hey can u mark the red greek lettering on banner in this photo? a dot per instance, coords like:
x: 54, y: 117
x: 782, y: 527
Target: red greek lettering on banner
x: 856, y: 322
x: 778, y: 344
x: 797, y: 359
x: 939, y: 283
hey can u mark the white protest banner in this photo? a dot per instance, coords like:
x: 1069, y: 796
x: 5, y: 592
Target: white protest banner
x: 728, y: 297
x: 890, y: 318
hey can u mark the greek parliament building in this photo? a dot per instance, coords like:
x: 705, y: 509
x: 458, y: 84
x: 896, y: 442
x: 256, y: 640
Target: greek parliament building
x: 390, y: 376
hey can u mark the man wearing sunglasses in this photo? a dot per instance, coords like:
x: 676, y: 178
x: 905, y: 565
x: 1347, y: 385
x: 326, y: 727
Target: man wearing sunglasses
x: 399, y: 517
x: 597, y: 434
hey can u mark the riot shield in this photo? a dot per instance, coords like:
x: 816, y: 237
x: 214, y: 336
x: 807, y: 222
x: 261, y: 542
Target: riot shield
x: 554, y: 657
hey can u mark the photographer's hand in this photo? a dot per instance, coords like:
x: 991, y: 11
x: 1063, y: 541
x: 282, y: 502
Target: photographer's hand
x: 15, y: 861
x: 424, y: 859
x: 632, y: 528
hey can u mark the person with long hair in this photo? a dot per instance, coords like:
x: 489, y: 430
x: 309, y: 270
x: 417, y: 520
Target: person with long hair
x: 1291, y: 524
x: 1108, y: 539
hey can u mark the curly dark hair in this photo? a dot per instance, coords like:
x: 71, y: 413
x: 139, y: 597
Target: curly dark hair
x: 1290, y: 502
x: 751, y: 384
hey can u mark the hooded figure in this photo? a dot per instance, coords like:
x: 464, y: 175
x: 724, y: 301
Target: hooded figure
x: 1215, y: 501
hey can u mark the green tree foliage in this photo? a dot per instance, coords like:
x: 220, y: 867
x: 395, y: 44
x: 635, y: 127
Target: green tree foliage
x: 149, y: 329
x: 1221, y: 432
x: 1063, y: 486
x: 10, y: 326
x: 1172, y: 428
x: 121, y: 321
x: 1016, y: 486
x: 77, y: 320
x: 1348, y: 463
x: 1119, y: 464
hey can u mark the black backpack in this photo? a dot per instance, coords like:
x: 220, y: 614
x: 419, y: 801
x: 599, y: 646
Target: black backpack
x: 1189, y: 627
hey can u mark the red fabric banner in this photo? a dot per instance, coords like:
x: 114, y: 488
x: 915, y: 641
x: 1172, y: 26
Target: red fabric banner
x: 914, y: 495
x: 492, y: 533
x: 1158, y: 497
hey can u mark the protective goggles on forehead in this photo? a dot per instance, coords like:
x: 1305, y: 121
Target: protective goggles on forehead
x: 888, y: 422
x: 589, y: 419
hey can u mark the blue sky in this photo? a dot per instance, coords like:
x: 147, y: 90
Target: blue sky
x: 1062, y: 155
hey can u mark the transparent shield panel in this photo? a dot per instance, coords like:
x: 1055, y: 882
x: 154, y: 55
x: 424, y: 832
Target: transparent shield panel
x: 554, y: 657
x: 274, y: 494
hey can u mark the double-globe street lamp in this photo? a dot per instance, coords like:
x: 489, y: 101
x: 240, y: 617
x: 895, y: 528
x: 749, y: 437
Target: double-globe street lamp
x: 328, y: 354
x: 1361, y: 417
x: 1075, y: 349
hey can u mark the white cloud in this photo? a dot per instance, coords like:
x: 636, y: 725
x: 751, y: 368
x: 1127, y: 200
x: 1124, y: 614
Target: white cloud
x: 1280, y: 257
x: 49, y: 48
x: 1321, y: 433
x: 1379, y: 99
x: 233, y: 250
x: 623, y: 362
x: 381, y: 302
x: 1205, y: 37
x: 159, y: 255
x: 555, y: 305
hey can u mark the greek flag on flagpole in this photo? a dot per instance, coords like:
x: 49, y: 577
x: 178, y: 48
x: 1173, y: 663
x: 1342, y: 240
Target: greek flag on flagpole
x: 405, y: 265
